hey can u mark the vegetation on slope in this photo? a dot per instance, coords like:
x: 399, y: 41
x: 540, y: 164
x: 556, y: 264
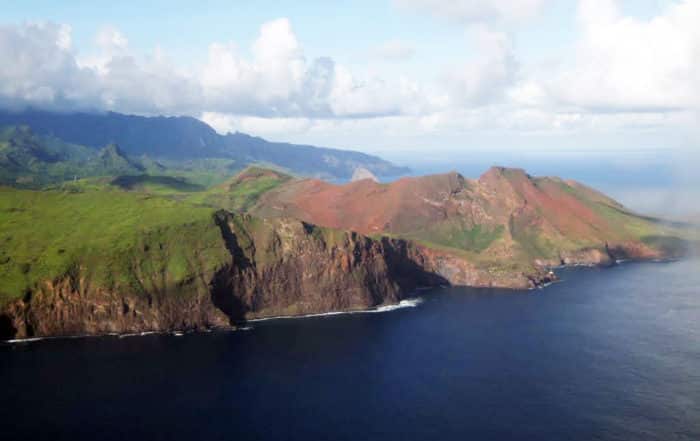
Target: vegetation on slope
x: 112, y: 226
x: 476, y: 238
x: 242, y: 191
x: 235, y: 194
x: 46, y: 234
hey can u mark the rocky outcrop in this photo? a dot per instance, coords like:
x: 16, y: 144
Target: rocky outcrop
x: 275, y: 267
x: 610, y: 253
x: 287, y: 267
x: 587, y: 257
x: 631, y: 250
x: 446, y: 267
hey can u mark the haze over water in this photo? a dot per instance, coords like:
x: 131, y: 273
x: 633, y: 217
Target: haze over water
x: 607, y: 354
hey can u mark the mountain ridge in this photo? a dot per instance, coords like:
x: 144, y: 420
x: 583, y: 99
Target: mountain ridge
x: 187, y: 138
x: 31, y: 160
x: 504, y: 217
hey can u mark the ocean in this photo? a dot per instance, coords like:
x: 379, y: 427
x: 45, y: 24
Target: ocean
x: 605, y: 354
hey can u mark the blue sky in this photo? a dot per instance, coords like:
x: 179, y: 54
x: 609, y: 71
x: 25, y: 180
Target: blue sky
x: 327, y: 28
x: 418, y: 78
x: 343, y: 30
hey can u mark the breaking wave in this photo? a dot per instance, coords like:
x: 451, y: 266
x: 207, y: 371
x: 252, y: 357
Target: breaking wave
x: 406, y: 303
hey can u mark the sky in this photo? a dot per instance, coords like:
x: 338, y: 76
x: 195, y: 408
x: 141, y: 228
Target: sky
x: 440, y: 80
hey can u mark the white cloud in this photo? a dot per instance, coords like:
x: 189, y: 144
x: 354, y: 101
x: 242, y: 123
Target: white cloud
x: 112, y: 41
x: 371, y: 96
x: 279, y: 60
x: 279, y: 82
x: 528, y: 93
x: 268, y: 127
x: 629, y: 64
x: 38, y: 69
x: 63, y: 37
x: 623, y: 74
x: 476, y: 11
x: 487, y: 76
x: 394, y: 50
x: 149, y: 86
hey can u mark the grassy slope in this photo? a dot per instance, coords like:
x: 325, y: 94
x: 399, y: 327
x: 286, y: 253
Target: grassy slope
x: 474, y: 239
x: 200, y: 172
x: 46, y: 234
x: 234, y: 194
x: 240, y: 192
x: 109, y: 231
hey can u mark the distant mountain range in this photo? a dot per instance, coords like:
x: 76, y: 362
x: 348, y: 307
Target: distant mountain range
x: 189, y: 139
x: 29, y: 160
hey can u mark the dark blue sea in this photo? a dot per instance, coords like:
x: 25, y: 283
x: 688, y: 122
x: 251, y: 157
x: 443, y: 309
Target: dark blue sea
x: 606, y: 354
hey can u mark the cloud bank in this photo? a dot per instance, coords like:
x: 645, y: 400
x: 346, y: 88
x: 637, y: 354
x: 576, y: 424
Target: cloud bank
x: 476, y: 11
x: 42, y: 71
x: 622, y: 73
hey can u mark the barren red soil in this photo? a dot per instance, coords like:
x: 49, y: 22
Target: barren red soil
x: 499, y: 197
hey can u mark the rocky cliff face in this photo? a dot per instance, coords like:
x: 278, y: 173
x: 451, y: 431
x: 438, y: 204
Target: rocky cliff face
x: 287, y: 267
x: 610, y: 253
x: 275, y: 267
x: 70, y: 306
x: 442, y: 267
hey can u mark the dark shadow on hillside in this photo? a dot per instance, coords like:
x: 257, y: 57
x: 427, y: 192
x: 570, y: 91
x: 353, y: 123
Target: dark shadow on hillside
x: 7, y: 329
x: 229, y: 279
x: 128, y: 182
x: 404, y: 268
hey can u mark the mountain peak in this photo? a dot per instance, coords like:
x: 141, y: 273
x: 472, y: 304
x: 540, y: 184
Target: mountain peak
x: 111, y: 157
x: 498, y: 171
x: 112, y: 149
x: 252, y: 174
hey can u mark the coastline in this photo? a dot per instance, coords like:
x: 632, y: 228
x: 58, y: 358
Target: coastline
x: 411, y: 301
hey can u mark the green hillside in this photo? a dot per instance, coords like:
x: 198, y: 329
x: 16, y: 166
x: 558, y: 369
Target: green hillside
x: 106, y: 225
x: 46, y: 234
